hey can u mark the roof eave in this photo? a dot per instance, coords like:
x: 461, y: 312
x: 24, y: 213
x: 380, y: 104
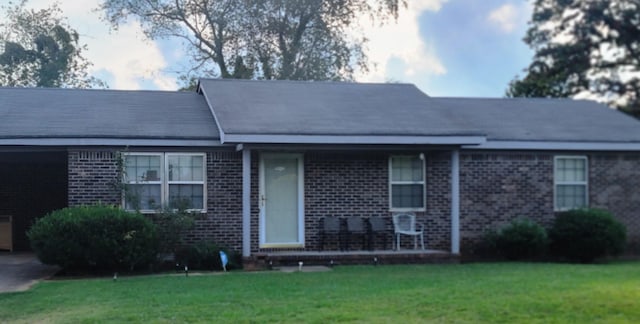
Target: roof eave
x: 352, y: 139
x: 73, y: 141
x: 556, y: 146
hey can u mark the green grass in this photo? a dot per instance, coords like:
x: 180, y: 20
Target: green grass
x: 502, y: 292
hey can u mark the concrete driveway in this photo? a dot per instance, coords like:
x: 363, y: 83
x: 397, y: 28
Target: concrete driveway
x: 19, y: 271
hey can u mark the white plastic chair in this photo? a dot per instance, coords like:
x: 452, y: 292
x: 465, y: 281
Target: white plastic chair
x: 406, y: 224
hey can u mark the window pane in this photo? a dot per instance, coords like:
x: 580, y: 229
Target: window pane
x: 407, y: 196
x: 571, y: 196
x: 406, y: 168
x: 143, y: 197
x: 186, y: 168
x: 142, y: 168
x: 186, y: 196
x: 571, y: 170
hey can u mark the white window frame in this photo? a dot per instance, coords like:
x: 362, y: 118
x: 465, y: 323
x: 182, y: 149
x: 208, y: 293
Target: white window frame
x: 557, y: 183
x: 423, y: 183
x: 164, y: 178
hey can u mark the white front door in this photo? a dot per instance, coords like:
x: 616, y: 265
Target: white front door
x: 281, y: 200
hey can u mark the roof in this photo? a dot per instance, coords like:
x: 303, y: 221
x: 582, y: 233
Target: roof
x: 543, y: 120
x: 368, y: 113
x: 301, y: 113
x: 44, y: 116
x: 330, y: 112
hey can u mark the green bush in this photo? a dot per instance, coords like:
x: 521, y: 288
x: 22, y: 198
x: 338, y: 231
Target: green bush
x: 205, y: 255
x: 586, y: 234
x: 94, y: 238
x: 521, y: 239
x: 172, y: 224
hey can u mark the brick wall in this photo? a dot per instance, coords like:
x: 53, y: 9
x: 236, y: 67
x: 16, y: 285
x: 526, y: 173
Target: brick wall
x: 614, y: 184
x: 356, y: 184
x: 223, y: 222
x: 496, y: 187
x: 93, y: 178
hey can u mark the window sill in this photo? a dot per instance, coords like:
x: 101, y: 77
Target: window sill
x: 407, y: 210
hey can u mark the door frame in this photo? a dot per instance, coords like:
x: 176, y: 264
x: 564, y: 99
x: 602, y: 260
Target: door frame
x: 262, y: 202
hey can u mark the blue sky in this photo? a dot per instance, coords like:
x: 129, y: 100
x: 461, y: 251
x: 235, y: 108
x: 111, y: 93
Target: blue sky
x: 480, y: 57
x: 463, y: 48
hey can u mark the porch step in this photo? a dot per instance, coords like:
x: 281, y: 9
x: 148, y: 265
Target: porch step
x: 269, y: 260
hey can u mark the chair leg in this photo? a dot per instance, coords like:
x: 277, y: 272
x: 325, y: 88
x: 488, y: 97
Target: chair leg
x: 398, y: 242
x: 422, y: 240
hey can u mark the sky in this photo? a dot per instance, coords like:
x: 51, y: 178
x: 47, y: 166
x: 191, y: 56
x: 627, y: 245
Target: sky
x: 447, y: 48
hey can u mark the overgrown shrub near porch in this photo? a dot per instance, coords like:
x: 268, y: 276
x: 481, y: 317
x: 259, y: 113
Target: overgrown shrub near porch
x: 205, y: 255
x: 586, y: 234
x: 518, y: 240
x: 94, y: 238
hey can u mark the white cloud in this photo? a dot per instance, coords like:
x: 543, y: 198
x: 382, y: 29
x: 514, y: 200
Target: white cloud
x: 126, y: 54
x: 401, y: 40
x: 506, y: 18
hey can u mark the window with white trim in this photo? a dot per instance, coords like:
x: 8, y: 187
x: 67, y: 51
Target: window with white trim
x: 156, y: 180
x: 407, y: 183
x: 570, y: 182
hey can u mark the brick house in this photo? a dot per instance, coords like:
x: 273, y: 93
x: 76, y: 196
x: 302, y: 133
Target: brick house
x: 263, y: 162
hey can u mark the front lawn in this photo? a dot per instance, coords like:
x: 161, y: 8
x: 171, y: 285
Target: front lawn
x: 503, y: 292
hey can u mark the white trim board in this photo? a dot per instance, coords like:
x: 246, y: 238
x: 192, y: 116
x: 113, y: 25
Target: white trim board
x: 351, y: 139
x: 557, y: 146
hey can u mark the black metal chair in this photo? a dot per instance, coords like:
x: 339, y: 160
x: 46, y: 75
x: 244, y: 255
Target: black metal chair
x: 331, y: 226
x: 378, y: 226
x: 356, y: 227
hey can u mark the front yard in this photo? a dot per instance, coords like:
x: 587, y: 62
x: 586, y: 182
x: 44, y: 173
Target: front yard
x: 502, y: 292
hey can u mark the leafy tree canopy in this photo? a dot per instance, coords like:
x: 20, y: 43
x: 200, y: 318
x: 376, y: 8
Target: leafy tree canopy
x: 584, y: 49
x: 263, y: 39
x: 39, y: 49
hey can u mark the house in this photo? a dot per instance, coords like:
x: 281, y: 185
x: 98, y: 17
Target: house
x: 264, y: 161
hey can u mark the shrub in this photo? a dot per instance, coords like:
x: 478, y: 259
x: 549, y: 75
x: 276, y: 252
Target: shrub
x: 521, y: 239
x: 205, y: 255
x: 172, y: 225
x: 586, y: 234
x: 94, y: 238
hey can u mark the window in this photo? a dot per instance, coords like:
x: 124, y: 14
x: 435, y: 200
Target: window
x: 570, y: 177
x: 155, y: 180
x: 407, y: 183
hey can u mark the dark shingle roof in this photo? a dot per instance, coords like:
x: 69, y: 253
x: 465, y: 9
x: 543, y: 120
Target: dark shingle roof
x: 326, y: 108
x: 542, y: 119
x: 320, y: 109
x: 109, y: 114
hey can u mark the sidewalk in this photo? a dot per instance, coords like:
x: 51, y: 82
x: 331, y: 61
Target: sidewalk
x: 19, y: 271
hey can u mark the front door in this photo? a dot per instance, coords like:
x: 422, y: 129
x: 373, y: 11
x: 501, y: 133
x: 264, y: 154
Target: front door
x: 281, y: 200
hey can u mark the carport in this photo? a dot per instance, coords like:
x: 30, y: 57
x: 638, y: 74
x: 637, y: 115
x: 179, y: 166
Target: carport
x: 32, y: 183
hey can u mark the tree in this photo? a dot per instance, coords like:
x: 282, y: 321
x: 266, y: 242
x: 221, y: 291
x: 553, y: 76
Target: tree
x: 39, y: 49
x: 585, y: 49
x: 265, y: 39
